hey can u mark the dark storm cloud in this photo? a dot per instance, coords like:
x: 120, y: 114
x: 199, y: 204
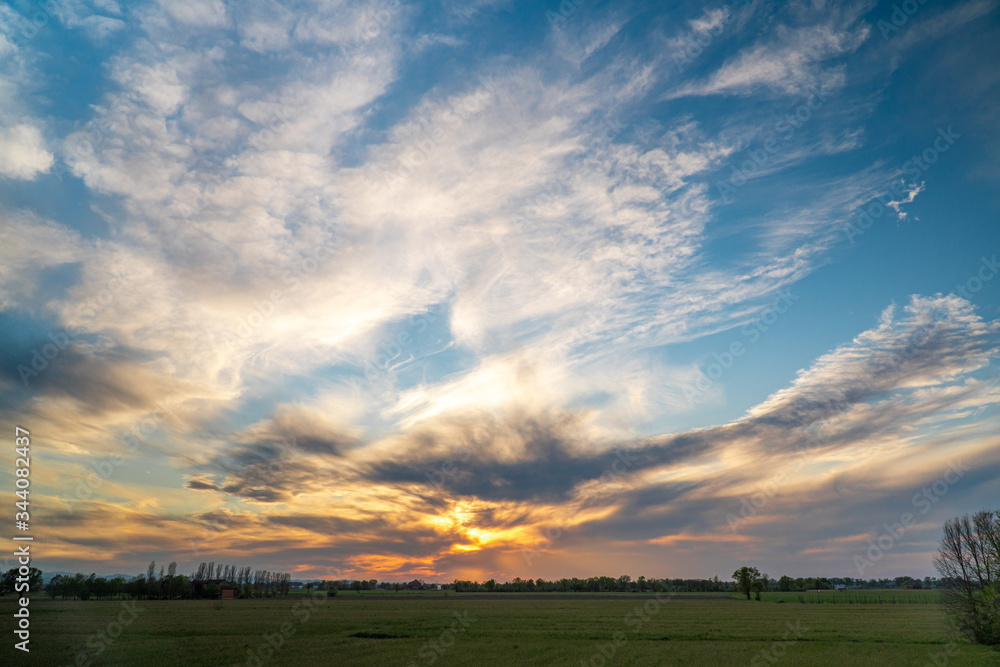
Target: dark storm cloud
x: 275, y: 470
x: 937, y: 341
x: 98, y: 381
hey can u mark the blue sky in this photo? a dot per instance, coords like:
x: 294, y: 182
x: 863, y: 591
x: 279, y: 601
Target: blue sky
x: 395, y: 283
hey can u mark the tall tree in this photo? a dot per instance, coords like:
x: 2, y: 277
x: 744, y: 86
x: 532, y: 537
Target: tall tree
x: 171, y: 573
x: 150, y: 578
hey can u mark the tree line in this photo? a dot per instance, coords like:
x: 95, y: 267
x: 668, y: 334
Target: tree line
x: 622, y: 584
x: 169, y: 585
x: 248, y: 582
x: 263, y: 583
x: 625, y: 584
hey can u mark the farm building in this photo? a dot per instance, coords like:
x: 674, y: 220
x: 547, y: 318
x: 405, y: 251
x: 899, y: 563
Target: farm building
x: 227, y: 589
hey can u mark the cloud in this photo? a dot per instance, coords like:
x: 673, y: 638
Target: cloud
x: 570, y: 234
x: 910, y: 196
x: 933, y: 25
x: 892, y: 382
x: 429, y: 40
x: 790, y: 62
x: 22, y: 152
x: 99, y: 20
x: 465, y: 11
x: 937, y: 339
x: 526, y: 474
x: 209, y: 14
x: 408, y: 320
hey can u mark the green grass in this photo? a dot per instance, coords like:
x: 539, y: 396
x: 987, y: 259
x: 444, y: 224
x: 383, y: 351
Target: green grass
x: 888, y: 596
x: 503, y: 629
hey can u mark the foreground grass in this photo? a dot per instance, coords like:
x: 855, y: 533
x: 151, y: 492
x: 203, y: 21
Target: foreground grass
x: 490, y: 630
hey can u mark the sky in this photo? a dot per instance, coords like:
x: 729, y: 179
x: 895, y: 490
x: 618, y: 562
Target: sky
x: 488, y: 289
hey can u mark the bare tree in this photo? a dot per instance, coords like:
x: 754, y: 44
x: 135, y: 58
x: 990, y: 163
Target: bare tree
x: 969, y: 560
x: 150, y: 574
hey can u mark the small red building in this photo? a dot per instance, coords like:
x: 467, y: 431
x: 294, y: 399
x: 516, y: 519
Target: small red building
x: 227, y: 589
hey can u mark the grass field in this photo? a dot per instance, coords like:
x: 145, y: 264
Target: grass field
x: 497, y: 629
x: 857, y: 597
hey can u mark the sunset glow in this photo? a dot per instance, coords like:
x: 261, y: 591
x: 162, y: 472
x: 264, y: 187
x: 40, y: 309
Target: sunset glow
x: 383, y: 290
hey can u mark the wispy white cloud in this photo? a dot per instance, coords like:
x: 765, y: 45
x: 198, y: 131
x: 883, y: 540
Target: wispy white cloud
x: 98, y: 19
x: 791, y: 61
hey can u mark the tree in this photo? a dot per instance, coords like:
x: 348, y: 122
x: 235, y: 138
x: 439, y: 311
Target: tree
x: 180, y: 587
x: 9, y: 580
x: 171, y: 573
x: 99, y: 587
x: 137, y: 587
x: 745, y: 578
x: 969, y: 559
x: 785, y: 583
x: 56, y: 586
x: 150, y: 578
